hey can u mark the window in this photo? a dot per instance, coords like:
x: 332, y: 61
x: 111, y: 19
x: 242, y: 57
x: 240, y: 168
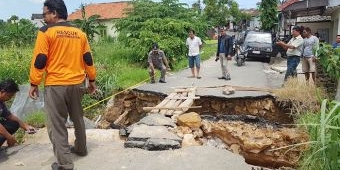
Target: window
x: 103, y: 31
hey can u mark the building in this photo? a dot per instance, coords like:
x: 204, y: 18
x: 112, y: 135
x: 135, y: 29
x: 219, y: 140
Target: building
x: 37, y: 20
x: 320, y: 15
x: 333, y: 10
x: 108, y: 13
x: 254, y: 23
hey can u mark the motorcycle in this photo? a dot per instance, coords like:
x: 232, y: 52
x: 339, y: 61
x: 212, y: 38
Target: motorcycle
x: 240, y: 55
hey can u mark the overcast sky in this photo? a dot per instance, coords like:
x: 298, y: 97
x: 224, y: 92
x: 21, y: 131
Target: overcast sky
x: 25, y: 8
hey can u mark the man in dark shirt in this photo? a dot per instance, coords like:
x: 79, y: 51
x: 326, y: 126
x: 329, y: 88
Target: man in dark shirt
x: 9, y: 123
x: 157, y: 59
x: 224, y: 52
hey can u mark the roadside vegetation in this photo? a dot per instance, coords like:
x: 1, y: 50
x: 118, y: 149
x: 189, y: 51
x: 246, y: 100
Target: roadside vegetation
x: 317, y: 114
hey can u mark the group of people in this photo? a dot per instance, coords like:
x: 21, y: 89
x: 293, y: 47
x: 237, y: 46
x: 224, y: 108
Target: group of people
x: 157, y: 59
x: 303, y: 44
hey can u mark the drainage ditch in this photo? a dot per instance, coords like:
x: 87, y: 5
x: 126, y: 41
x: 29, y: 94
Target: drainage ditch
x: 255, y: 128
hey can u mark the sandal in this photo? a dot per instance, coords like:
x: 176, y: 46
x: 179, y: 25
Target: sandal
x: 199, y: 77
x: 191, y: 76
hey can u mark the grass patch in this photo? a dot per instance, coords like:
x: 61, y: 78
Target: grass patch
x: 19, y: 136
x: 37, y: 119
x: 298, y: 96
x: 323, y: 129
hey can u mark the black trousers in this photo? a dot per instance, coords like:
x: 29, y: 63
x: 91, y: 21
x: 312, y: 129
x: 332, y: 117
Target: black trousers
x: 10, y: 126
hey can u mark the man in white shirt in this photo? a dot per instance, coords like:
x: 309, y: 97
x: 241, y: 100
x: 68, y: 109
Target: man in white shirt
x: 194, y: 44
x: 311, y: 42
x: 294, y: 51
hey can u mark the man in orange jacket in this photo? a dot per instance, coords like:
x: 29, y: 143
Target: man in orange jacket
x: 62, y: 55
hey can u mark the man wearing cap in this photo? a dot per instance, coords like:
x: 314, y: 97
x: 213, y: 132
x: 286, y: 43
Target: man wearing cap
x: 294, y: 51
x: 157, y: 59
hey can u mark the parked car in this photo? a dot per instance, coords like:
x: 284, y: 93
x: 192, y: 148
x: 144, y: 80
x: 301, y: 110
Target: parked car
x: 259, y: 45
x: 278, y: 49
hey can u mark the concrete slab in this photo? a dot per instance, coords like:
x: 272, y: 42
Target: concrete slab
x: 113, y: 156
x: 143, y: 132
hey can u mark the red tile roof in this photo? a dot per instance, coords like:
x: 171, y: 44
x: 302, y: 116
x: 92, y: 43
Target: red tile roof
x: 252, y: 12
x: 111, y: 10
x: 287, y: 3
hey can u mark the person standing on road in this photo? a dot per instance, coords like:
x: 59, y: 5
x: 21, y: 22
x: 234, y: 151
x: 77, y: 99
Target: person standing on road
x: 157, y: 59
x: 310, y: 43
x: 62, y: 57
x: 194, y: 44
x: 224, y: 52
x: 294, y: 51
x: 9, y: 123
x: 337, y: 42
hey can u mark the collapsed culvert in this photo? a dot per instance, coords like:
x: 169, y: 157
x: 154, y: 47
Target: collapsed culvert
x: 252, y: 127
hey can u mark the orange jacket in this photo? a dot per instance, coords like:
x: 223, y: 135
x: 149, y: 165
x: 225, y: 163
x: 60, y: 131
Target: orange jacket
x: 62, y: 52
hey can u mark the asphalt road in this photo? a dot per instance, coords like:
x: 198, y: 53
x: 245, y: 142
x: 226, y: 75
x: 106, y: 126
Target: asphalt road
x: 253, y: 74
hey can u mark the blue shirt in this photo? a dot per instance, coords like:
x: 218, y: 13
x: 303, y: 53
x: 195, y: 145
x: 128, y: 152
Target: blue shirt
x: 222, y: 50
x: 336, y: 45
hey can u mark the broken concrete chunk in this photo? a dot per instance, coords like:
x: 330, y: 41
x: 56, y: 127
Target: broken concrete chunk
x: 228, y: 90
x: 134, y: 144
x: 157, y: 120
x: 144, y: 132
x: 161, y: 144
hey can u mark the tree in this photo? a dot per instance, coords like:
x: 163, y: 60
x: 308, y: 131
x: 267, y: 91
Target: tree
x: 89, y: 25
x: 268, y: 16
x: 217, y: 11
x: 18, y: 32
x: 165, y: 22
x: 240, y: 18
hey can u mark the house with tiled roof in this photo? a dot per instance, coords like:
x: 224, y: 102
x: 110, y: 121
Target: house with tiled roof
x: 254, y: 22
x: 37, y: 20
x: 309, y: 13
x: 108, y: 12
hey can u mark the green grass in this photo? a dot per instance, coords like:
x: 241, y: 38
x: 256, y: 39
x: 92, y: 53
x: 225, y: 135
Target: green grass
x: 323, y: 129
x: 115, y: 65
x: 37, y: 119
x: 15, y: 63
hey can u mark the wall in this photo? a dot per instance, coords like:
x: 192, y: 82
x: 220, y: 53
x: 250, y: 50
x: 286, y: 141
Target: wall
x: 38, y: 22
x: 110, y: 29
x: 254, y: 23
x: 336, y: 24
x: 315, y: 26
x: 333, y: 2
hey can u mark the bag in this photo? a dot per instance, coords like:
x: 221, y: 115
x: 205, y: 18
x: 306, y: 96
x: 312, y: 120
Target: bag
x: 23, y: 105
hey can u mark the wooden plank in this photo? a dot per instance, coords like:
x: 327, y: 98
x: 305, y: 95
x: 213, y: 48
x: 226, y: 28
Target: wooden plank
x: 174, y: 108
x: 187, y: 103
x: 163, y: 103
x: 169, y: 104
x: 183, y: 98
x: 182, y: 90
x: 177, y: 103
x: 120, y: 117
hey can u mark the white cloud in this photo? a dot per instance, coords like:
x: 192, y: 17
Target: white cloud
x: 37, y: 1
